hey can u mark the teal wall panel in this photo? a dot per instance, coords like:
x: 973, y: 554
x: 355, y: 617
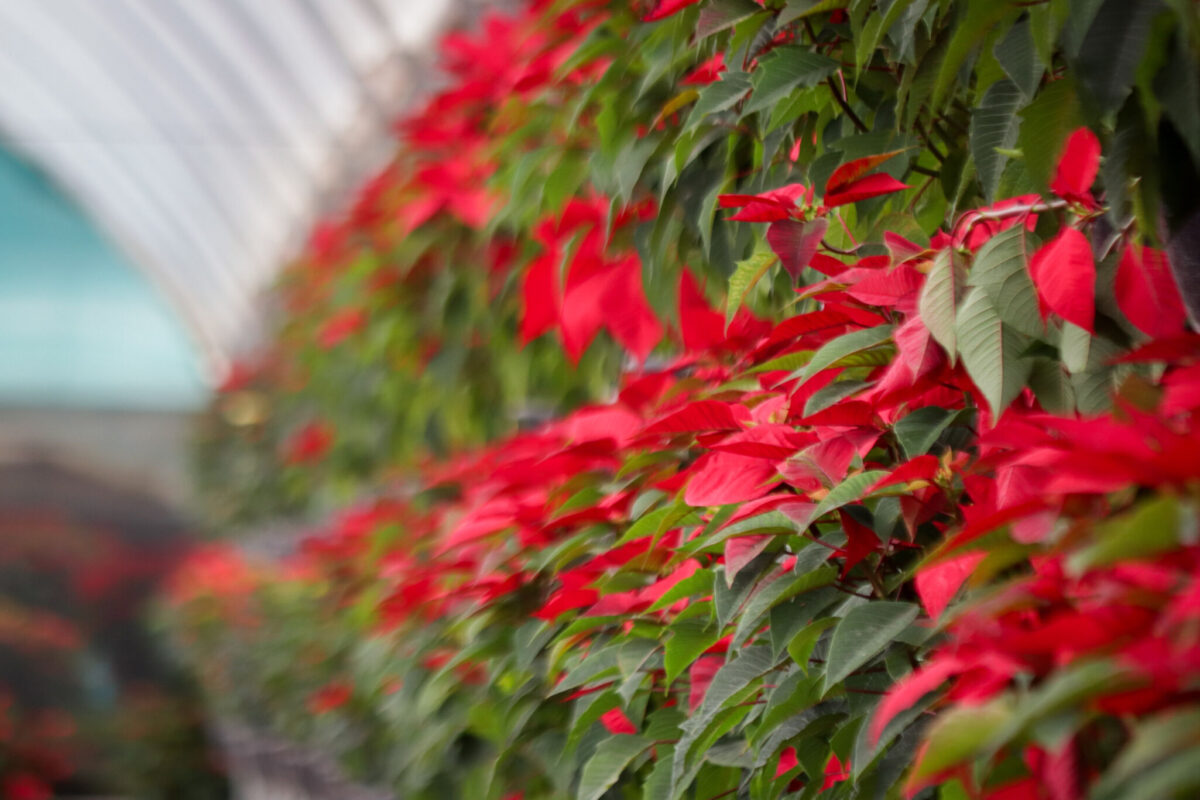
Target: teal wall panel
x: 79, y: 325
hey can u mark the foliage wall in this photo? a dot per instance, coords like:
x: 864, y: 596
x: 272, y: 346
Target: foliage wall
x: 841, y: 414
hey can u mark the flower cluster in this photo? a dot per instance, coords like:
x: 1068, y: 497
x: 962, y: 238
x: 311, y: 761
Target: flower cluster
x: 915, y: 509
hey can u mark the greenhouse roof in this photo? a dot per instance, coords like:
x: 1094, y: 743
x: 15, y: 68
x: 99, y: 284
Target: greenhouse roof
x: 204, y: 138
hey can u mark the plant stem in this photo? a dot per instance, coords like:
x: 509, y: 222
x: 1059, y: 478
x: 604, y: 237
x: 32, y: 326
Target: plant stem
x: 841, y: 101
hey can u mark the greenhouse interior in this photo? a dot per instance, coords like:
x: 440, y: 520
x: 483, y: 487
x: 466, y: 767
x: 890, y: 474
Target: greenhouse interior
x: 599, y: 400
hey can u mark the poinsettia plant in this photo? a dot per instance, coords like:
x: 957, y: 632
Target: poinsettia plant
x: 912, y: 513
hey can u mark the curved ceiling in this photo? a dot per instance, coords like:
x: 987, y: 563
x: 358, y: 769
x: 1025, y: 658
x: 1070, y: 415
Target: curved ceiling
x: 205, y: 137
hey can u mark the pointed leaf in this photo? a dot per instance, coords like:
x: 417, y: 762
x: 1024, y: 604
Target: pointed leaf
x: 784, y: 70
x: 744, y: 277
x: 1019, y: 59
x: 851, y: 171
x: 863, y: 634
x: 1112, y: 48
x: 989, y: 352
x: 796, y: 242
x: 848, y: 491
x: 1045, y: 124
x: 1146, y: 292
x: 689, y: 639
x: 836, y: 349
x: 717, y: 16
x: 1074, y: 344
x: 1150, y: 529
x: 731, y: 679
x: 701, y: 415
x: 719, y: 96
x: 919, y: 431
x: 1064, y: 273
x: 999, y: 269
x: 969, y: 31
x: 994, y: 127
x: 938, y: 299
x: 1077, y: 166
x: 957, y: 736
x: 865, y: 189
x: 938, y: 583
x: 610, y: 759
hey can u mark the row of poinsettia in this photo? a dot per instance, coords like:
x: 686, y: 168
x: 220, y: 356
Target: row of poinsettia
x: 916, y: 510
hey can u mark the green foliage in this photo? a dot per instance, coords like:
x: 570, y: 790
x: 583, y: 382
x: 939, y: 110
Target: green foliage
x: 593, y: 610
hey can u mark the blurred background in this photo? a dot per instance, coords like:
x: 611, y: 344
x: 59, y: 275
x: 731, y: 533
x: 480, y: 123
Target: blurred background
x: 159, y: 163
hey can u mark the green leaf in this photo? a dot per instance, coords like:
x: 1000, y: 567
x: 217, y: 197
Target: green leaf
x: 629, y: 165
x: 874, y: 357
x: 1155, y: 526
x: 689, y: 638
x: 784, y: 70
x: 658, y: 785
x: 1112, y: 49
x: 1045, y: 23
x: 1073, y: 346
x: 796, y: 693
x: 1052, y: 386
x: 1000, y: 270
x: 970, y: 30
x: 1180, y: 93
x: 1157, y: 744
x: 727, y: 599
x: 719, y: 96
x: 693, y: 745
x: 832, y: 394
x: 736, y: 675
x: 797, y: 9
x: 1094, y: 385
x: 610, y: 759
x: 994, y: 127
x: 659, y: 521
x: 718, y: 15
x: 1065, y: 690
x: 863, y: 634
x: 1019, y: 59
x: 877, y: 25
x: 958, y: 735
x: 699, y: 584
x: 792, y: 616
x: 596, y: 664
x: 776, y: 590
x: 989, y: 352
x: 587, y: 710
x: 744, y: 278
x: 1045, y: 124
x: 801, y: 646
x: 766, y: 522
x: 919, y: 431
x: 938, y: 299
x: 847, y: 491
x: 788, y: 361
x: 835, y: 350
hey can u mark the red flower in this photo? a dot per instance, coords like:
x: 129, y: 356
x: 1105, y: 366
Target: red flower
x: 665, y: 8
x: 329, y: 697
x: 309, y: 443
x: 23, y: 786
x: 1077, y: 168
x: 1064, y: 273
x: 341, y: 326
x: 835, y: 772
x: 706, y: 72
x: 770, y: 206
x: 615, y: 720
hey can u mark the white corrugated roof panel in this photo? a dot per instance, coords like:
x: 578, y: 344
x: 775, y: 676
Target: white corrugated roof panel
x: 203, y: 136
